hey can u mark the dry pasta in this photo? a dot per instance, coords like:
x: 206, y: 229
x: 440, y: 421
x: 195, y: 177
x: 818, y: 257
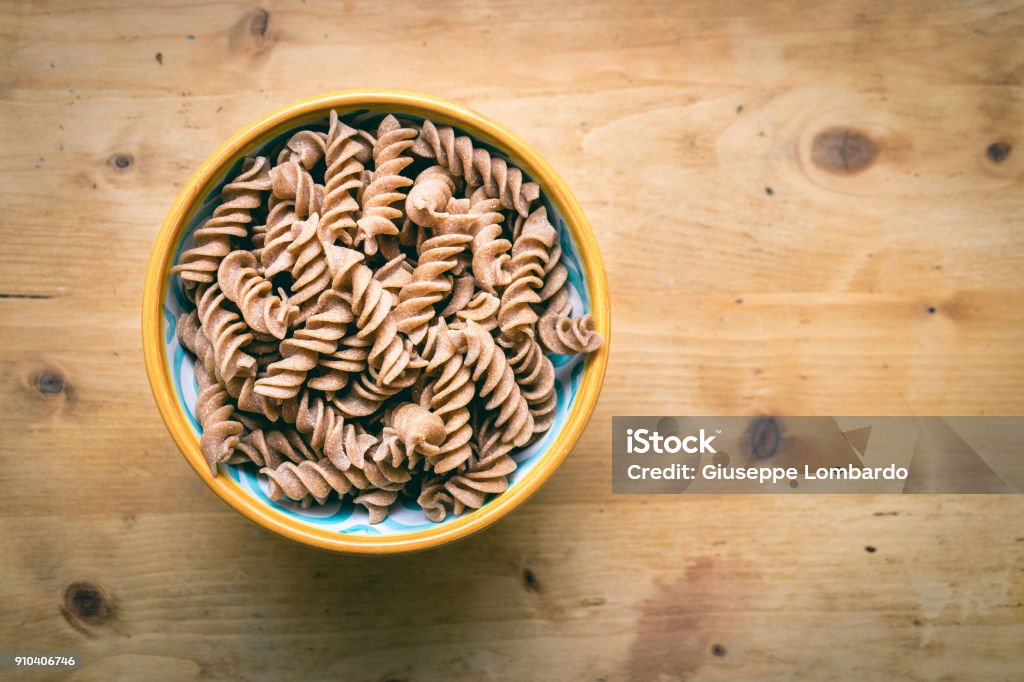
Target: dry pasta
x: 374, y: 309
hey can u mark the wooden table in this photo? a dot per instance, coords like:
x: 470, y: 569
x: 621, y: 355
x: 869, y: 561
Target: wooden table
x: 802, y: 209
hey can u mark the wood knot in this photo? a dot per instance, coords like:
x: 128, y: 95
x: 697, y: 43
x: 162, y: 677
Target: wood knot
x: 252, y: 34
x: 121, y: 161
x: 717, y: 650
x: 86, y: 604
x: 50, y: 382
x: 843, y: 151
x: 258, y: 22
x: 764, y: 437
x: 998, y: 151
x: 530, y: 581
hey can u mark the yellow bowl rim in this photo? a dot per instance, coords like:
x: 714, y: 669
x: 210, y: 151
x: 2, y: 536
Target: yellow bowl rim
x: 200, y: 184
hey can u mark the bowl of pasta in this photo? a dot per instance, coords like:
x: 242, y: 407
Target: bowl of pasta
x: 375, y: 322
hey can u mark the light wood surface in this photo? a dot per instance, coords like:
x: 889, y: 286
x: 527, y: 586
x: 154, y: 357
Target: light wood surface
x: 804, y: 208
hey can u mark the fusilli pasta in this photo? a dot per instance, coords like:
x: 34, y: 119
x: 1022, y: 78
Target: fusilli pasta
x: 383, y: 331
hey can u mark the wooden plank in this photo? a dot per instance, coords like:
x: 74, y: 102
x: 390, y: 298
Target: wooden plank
x: 879, y: 275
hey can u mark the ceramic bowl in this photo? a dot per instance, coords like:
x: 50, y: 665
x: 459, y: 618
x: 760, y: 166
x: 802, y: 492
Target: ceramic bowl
x: 341, y: 526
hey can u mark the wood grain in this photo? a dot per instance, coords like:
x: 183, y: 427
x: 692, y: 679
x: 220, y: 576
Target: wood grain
x: 803, y: 209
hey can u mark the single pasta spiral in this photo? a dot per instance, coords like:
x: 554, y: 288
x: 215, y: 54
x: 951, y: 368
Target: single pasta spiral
x: 430, y: 203
x: 529, y: 255
x: 535, y: 375
x: 430, y: 284
x: 481, y: 309
x: 448, y: 395
x: 559, y: 305
x: 230, y: 219
x: 365, y: 395
x: 490, y: 250
x: 301, y: 353
x: 317, y: 419
x: 291, y: 182
x: 463, y: 289
x: 419, y: 429
x: 192, y: 337
x: 394, y: 274
x: 305, y: 147
x: 371, y: 303
x: 377, y: 503
x: 242, y: 389
x: 378, y: 199
x: 227, y: 333
x: 496, y: 383
x: 435, y: 500
x: 391, y: 353
x: 214, y: 413
x: 349, y: 358
x: 309, y: 270
x: 349, y: 447
x: 264, y: 311
x: 568, y: 335
x: 342, y: 179
x: 483, y: 477
x: 317, y: 479
x: 273, y: 253
x: 269, y: 448
x: 480, y: 169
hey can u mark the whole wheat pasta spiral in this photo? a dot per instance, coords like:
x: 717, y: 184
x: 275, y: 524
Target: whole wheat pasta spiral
x: 431, y: 203
x: 373, y: 318
x: 391, y: 352
x: 291, y: 182
x: 496, y: 383
x: 371, y: 303
x: 301, y: 353
x: 394, y: 274
x: 435, y: 500
x: 214, y: 411
x: 419, y: 429
x: 317, y: 479
x: 226, y: 332
x: 490, y: 250
x: 535, y: 375
x: 481, y: 478
x: 342, y: 180
x: 277, y: 235
x: 430, y: 284
x: 230, y: 220
x: 449, y: 396
x: 481, y: 309
x: 264, y: 311
x: 463, y: 290
x: 349, y: 447
x: 378, y: 212
x: 270, y: 448
x: 365, y: 395
x: 457, y: 154
x: 309, y: 270
x: 349, y: 358
x: 529, y: 255
x: 569, y: 335
x: 305, y: 147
